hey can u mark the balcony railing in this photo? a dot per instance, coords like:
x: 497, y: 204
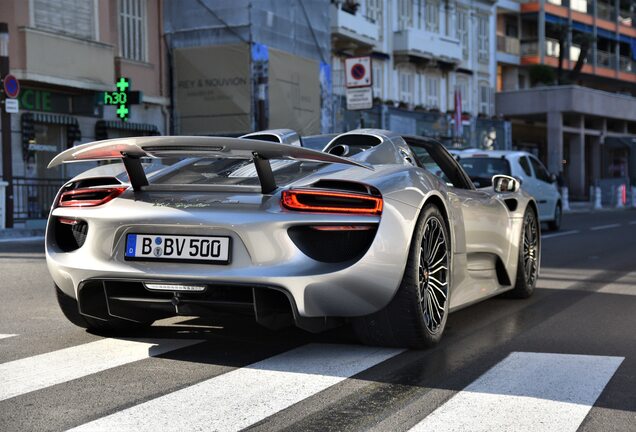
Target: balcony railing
x: 529, y: 48
x: 508, y: 44
x: 626, y: 64
x: 605, y: 11
x: 605, y: 59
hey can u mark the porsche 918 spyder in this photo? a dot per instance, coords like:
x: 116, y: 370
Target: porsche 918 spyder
x: 383, y: 231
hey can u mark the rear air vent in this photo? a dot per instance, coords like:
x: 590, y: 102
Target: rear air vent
x: 333, y: 243
x: 70, y: 234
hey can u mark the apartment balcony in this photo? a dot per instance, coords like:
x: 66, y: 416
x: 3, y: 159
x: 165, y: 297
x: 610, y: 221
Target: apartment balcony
x: 66, y: 60
x: 353, y: 30
x: 427, y: 45
x: 508, y: 49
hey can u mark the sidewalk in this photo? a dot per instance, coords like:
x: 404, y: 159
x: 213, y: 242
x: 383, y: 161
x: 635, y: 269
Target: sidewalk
x: 587, y: 207
x: 20, y: 234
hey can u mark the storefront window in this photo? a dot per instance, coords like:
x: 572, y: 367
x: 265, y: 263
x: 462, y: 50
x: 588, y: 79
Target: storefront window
x: 49, y: 140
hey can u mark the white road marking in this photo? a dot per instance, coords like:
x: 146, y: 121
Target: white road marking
x: 602, y: 227
x: 242, y: 397
x: 527, y: 391
x: 559, y: 234
x: 4, y: 336
x: 632, y: 222
x: 44, y: 370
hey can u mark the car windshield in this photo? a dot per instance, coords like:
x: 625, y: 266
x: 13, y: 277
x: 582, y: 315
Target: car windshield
x: 481, y: 169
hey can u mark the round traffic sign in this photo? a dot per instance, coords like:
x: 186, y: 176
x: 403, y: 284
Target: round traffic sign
x: 358, y: 71
x: 11, y: 86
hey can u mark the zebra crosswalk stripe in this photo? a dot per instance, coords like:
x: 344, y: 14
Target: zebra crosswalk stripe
x: 44, y: 370
x: 245, y: 396
x: 527, y: 391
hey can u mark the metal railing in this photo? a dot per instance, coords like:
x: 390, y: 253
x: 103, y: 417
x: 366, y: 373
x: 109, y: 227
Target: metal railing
x: 605, y: 11
x: 529, y: 48
x: 508, y: 44
x: 605, y: 59
x: 626, y: 64
x: 33, y: 197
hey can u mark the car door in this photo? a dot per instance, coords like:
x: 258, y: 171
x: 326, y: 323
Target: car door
x: 545, y: 200
x: 480, y: 222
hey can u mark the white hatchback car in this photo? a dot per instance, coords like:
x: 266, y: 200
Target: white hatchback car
x: 535, y: 178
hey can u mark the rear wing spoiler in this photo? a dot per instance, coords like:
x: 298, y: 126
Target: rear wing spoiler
x: 130, y: 150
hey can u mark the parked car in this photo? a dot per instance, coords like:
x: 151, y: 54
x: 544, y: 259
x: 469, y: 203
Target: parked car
x: 535, y: 178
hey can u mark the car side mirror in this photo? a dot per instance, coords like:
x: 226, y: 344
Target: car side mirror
x: 503, y: 183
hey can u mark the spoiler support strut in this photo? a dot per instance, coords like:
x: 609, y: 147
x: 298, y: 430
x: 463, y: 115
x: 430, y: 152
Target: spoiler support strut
x: 265, y: 174
x: 135, y: 171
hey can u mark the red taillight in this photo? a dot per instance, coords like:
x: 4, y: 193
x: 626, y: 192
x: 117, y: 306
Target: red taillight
x: 89, y: 197
x: 331, y: 202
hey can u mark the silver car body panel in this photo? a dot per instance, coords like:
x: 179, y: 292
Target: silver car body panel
x: 485, y: 227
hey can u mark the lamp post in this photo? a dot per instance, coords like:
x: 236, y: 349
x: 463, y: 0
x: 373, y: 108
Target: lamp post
x: 5, y: 123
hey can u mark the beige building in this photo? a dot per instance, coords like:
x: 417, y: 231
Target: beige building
x: 66, y: 54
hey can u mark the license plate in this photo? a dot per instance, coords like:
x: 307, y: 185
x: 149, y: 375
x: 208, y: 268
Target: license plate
x: 179, y: 248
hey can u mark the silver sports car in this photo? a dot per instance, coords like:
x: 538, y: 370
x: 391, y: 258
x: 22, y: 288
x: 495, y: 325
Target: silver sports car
x: 376, y: 229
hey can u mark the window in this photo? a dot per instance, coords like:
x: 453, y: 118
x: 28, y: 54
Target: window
x: 132, y: 29
x: 484, y: 98
x: 405, y: 14
x: 462, y: 30
x: 525, y: 166
x: 539, y: 170
x: 72, y: 17
x: 432, y: 92
x: 377, y: 77
x: 482, y: 38
x: 406, y: 86
x: 374, y: 13
x: 432, y: 16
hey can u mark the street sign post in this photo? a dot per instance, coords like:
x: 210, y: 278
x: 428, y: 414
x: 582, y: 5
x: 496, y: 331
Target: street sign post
x: 358, y: 81
x: 11, y: 106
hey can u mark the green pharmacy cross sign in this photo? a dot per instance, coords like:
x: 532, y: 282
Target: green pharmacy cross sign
x: 122, y: 98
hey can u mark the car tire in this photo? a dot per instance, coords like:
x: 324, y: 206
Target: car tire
x: 555, y: 224
x: 528, y: 258
x: 70, y: 309
x: 415, y: 318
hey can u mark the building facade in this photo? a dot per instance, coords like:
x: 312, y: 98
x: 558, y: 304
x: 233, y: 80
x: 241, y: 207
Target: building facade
x: 424, y: 53
x: 566, y: 78
x: 66, y: 54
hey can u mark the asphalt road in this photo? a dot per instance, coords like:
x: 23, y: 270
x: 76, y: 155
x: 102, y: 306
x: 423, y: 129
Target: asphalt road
x: 565, y: 359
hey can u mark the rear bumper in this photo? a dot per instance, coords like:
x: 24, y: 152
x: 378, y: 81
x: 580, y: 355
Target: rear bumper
x: 263, y: 256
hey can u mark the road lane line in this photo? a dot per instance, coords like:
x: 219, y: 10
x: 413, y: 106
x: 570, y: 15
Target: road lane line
x: 527, y: 391
x: 602, y: 227
x: 559, y: 234
x: 632, y: 222
x: 4, y: 336
x: 242, y: 397
x: 44, y: 370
